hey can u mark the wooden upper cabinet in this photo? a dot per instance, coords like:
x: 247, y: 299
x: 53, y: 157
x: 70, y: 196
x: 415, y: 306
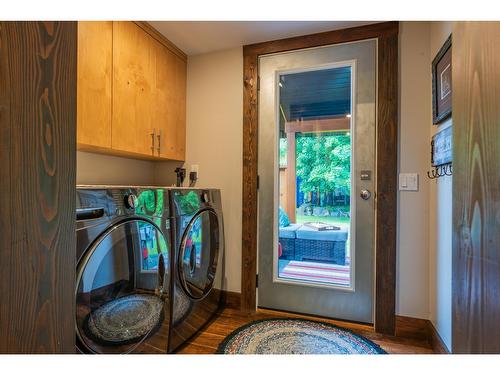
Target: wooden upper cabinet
x: 134, y: 63
x: 131, y: 91
x: 94, y: 84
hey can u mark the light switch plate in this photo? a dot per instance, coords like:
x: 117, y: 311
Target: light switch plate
x: 408, y: 181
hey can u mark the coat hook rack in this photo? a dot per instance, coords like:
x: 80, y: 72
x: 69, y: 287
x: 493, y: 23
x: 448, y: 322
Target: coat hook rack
x: 440, y: 171
x: 441, y: 154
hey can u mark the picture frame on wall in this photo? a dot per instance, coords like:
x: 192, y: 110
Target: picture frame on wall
x: 441, y: 84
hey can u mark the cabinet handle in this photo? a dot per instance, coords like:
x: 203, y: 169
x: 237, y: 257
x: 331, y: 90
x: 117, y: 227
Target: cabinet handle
x: 153, y: 136
x: 159, y: 142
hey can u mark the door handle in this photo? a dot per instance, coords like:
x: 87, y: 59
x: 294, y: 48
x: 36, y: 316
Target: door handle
x: 161, y: 275
x: 159, y: 142
x: 365, y: 194
x: 89, y: 213
x: 153, y: 136
x: 192, y: 260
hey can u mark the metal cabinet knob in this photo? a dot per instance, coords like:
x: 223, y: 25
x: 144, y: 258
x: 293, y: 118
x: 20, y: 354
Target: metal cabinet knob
x: 365, y: 194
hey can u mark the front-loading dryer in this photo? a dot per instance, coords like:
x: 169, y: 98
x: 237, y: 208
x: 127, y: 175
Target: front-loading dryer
x: 198, y: 243
x: 124, y: 255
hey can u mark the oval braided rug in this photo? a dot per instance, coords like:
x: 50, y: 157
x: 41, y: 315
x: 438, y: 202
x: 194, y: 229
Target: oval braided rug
x: 295, y: 336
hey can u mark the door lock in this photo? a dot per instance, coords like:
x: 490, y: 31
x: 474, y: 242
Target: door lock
x: 365, y: 194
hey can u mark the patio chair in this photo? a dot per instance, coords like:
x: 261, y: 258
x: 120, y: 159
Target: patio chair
x: 302, y: 243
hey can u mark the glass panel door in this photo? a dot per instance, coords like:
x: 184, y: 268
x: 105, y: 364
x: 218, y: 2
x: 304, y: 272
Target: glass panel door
x: 316, y: 158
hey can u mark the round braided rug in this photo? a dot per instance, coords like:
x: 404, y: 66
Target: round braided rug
x: 295, y: 336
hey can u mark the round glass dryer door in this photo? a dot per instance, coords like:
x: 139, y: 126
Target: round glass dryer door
x: 199, y: 253
x: 121, y: 288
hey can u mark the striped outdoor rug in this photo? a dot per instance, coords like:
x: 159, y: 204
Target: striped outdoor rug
x: 317, y: 272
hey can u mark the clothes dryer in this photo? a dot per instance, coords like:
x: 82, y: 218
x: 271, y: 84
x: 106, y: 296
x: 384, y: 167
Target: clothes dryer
x: 197, y: 272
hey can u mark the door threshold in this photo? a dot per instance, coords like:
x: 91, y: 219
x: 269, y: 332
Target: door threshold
x: 345, y: 323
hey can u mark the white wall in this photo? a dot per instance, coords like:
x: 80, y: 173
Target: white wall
x: 100, y: 169
x: 425, y: 218
x: 440, y: 221
x: 412, y: 298
x: 214, y: 140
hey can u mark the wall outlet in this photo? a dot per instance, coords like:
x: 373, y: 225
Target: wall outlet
x: 408, y: 181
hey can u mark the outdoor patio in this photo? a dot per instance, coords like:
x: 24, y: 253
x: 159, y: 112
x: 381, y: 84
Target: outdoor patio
x: 314, y: 256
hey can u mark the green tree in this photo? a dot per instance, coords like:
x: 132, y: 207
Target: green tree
x: 324, y: 162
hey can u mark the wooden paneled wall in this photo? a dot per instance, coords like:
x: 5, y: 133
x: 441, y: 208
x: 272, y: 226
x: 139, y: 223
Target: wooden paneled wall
x: 37, y: 186
x: 476, y: 188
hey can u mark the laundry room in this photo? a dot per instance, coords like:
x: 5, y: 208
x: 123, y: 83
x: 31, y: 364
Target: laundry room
x: 199, y: 183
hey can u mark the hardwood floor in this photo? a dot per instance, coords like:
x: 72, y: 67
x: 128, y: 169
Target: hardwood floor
x: 207, y: 341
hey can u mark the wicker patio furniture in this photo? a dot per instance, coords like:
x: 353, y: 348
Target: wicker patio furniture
x: 300, y: 242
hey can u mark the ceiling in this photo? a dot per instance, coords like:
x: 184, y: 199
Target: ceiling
x: 197, y: 37
x: 324, y: 93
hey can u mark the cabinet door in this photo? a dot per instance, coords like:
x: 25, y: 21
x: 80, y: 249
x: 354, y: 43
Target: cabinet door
x: 133, y: 89
x: 94, y: 85
x: 180, y: 112
x: 163, y: 114
x: 170, y: 103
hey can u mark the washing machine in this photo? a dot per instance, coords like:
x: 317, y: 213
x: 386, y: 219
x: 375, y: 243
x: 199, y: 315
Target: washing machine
x: 124, y: 260
x: 197, y: 272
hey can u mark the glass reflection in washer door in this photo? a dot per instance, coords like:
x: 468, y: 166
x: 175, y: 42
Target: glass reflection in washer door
x: 118, y: 304
x: 199, y: 254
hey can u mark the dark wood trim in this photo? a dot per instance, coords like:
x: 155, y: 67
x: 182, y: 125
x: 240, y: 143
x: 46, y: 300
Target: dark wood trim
x: 37, y: 186
x: 352, y: 34
x: 420, y: 330
x: 387, y: 135
x: 249, y: 212
x: 412, y: 328
x: 436, y: 341
x: 386, y: 190
x: 231, y: 300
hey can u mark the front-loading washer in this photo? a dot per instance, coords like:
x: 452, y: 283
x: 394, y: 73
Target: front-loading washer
x: 197, y: 273
x: 124, y: 258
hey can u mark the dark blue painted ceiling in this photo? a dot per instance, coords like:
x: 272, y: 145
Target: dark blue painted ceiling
x: 316, y: 94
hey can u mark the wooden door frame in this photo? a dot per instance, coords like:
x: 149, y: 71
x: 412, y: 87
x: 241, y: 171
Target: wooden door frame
x: 387, y: 140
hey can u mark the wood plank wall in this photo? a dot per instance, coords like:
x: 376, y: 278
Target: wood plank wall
x: 476, y: 188
x: 37, y: 186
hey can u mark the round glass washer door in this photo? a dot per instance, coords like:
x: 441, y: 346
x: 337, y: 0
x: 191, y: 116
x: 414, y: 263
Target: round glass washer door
x: 121, y: 288
x: 199, y: 253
